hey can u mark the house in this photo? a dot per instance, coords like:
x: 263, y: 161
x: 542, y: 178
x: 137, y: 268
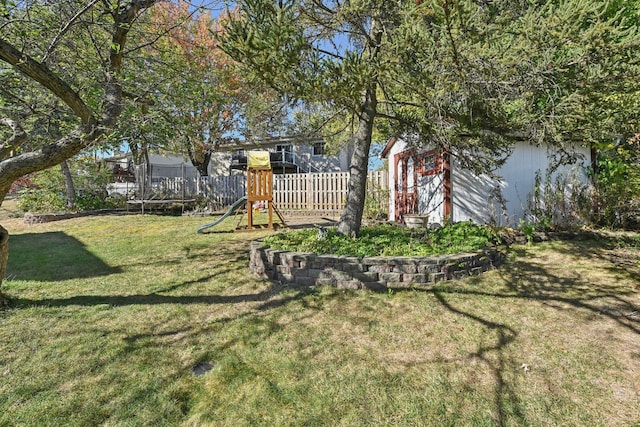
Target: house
x: 171, y: 176
x: 427, y: 182
x: 289, y: 155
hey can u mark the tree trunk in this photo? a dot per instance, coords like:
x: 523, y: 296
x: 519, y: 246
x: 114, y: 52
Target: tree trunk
x: 200, y: 157
x: 351, y: 217
x: 90, y: 130
x: 4, y: 258
x: 68, y: 184
x: 4, y: 249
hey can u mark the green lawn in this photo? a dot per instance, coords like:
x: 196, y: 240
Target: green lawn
x: 112, y: 313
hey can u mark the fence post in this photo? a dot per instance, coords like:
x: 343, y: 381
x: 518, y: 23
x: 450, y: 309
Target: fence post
x: 310, y: 190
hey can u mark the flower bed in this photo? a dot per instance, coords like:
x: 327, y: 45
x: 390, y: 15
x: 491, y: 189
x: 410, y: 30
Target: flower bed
x: 378, y: 272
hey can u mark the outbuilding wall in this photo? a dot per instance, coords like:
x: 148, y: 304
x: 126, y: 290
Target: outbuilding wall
x: 482, y: 198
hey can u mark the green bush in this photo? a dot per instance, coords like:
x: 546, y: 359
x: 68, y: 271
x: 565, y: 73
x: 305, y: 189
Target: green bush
x: 557, y: 201
x: 90, y: 180
x: 615, y: 201
x: 47, y: 194
x: 376, y: 203
x: 40, y: 200
x: 387, y: 240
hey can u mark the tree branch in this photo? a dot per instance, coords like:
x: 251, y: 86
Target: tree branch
x: 47, y: 156
x: 124, y: 16
x: 18, y: 138
x: 64, y: 29
x: 47, y: 78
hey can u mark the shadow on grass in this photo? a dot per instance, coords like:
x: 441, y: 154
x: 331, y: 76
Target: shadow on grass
x: 525, y: 278
x: 557, y: 287
x: 52, y: 256
x: 154, y: 299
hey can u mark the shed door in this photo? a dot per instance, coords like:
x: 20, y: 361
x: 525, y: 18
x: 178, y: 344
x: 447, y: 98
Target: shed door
x: 405, y: 185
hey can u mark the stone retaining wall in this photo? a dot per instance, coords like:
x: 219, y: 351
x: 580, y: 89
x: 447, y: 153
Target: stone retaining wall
x: 40, y: 218
x: 30, y: 218
x: 378, y: 273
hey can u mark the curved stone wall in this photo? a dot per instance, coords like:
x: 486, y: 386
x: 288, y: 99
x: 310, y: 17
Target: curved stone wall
x: 378, y: 273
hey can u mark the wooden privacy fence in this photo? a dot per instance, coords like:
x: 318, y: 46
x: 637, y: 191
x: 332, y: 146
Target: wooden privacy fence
x: 324, y: 192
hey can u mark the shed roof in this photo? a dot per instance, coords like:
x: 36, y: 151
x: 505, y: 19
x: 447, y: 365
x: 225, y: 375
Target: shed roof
x: 390, y: 143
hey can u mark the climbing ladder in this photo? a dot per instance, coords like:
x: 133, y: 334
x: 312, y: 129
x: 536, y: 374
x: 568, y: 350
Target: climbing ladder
x: 260, y: 186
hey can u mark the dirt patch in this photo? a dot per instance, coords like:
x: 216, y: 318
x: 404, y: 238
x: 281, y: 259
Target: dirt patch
x: 297, y: 222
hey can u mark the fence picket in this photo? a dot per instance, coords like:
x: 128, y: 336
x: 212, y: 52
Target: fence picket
x: 324, y: 191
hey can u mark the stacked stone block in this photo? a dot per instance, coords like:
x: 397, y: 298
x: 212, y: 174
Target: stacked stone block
x: 347, y: 272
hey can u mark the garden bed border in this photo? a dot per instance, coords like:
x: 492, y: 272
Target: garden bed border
x: 31, y: 218
x: 375, y: 272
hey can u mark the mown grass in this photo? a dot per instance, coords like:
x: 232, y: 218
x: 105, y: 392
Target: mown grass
x: 110, y: 315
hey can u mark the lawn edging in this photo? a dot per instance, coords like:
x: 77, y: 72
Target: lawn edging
x: 378, y: 272
x: 31, y: 218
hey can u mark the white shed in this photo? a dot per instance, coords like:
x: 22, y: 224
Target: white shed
x: 428, y: 182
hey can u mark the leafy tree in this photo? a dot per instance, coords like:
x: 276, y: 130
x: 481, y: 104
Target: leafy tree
x: 196, y: 100
x: 66, y: 59
x: 89, y: 192
x: 616, y: 192
x: 468, y: 76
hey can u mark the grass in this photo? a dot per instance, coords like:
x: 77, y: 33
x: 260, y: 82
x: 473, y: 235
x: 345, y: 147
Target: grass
x: 112, y: 313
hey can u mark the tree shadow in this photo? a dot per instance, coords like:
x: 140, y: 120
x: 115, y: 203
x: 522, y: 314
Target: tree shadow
x: 522, y: 278
x: 53, y: 256
x: 495, y: 359
x: 153, y: 298
x: 557, y: 286
x: 525, y: 278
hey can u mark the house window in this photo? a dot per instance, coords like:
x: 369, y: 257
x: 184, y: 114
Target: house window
x: 318, y: 148
x: 429, y: 163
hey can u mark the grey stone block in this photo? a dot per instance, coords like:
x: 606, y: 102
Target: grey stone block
x: 438, y: 277
x: 390, y: 277
x: 326, y: 281
x: 367, y: 276
x: 305, y: 281
x: 381, y: 268
x: 285, y: 277
x: 415, y: 278
x: 283, y: 269
x: 349, y: 284
x: 476, y: 270
x: 428, y: 268
x: 407, y: 267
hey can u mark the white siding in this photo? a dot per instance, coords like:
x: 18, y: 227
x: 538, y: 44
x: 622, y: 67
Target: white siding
x: 481, y: 198
x: 431, y: 197
x: 477, y: 198
x: 325, y: 162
